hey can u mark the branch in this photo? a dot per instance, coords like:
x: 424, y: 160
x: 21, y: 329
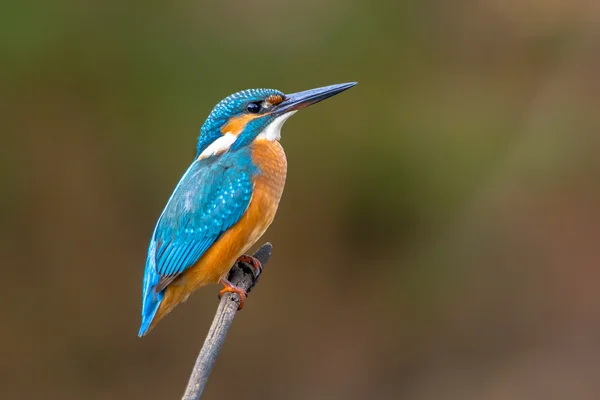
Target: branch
x: 241, y: 275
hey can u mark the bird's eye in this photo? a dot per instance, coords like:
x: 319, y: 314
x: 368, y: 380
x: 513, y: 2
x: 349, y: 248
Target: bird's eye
x: 253, y: 107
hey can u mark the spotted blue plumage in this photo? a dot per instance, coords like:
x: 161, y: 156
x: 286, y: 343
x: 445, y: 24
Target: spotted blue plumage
x: 210, y: 198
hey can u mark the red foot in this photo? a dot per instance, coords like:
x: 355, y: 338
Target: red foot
x: 230, y: 287
x: 253, y: 262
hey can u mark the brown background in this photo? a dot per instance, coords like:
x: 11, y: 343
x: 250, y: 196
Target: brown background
x: 438, y: 237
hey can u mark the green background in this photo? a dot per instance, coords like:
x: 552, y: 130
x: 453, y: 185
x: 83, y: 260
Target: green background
x: 439, y: 233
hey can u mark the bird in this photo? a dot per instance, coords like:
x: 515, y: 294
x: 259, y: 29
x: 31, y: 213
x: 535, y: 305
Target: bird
x: 226, y: 199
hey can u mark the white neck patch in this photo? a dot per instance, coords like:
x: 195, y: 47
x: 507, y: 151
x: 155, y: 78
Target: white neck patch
x: 273, y: 130
x: 219, y: 146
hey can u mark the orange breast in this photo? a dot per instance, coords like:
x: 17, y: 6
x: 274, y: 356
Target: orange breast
x: 215, y: 263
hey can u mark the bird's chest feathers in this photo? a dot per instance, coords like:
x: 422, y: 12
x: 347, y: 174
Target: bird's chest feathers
x: 268, y: 156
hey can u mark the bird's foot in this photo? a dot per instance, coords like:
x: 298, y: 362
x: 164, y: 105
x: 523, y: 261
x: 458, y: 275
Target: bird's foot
x: 230, y: 287
x: 253, y: 262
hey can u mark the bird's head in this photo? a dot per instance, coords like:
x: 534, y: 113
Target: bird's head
x: 245, y: 116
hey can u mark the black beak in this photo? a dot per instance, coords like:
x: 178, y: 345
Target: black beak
x: 297, y: 101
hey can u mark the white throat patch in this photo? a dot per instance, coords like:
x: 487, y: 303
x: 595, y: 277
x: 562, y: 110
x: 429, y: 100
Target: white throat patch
x: 273, y: 130
x: 219, y: 146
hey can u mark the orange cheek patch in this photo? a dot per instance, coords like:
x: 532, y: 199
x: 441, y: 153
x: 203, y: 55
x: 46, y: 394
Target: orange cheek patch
x: 236, y: 125
x: 274, y: 99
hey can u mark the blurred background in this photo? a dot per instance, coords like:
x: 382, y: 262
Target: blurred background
x: 438, y: 237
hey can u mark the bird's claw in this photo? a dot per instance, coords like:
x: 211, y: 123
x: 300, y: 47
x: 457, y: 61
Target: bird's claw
x: 253, y: 262
x: 230, y: 287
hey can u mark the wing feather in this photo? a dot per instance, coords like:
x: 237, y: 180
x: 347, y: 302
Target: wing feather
x: 210, y: 198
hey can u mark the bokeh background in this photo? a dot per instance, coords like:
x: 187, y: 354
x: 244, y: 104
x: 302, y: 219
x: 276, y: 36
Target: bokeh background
x: 439, y: 233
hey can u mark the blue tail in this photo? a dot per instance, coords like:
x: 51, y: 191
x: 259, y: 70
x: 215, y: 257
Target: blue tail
x: 150, y: 299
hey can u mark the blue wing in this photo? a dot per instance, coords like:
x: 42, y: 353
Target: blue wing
x: 209, y: 199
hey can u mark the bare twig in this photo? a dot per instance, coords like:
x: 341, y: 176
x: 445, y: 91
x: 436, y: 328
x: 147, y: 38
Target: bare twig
x: 241, y: 275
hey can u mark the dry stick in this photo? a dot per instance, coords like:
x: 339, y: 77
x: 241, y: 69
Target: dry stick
x: 241, y: 275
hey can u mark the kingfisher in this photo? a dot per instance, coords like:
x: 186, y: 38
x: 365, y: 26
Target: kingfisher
x: 226, y: 199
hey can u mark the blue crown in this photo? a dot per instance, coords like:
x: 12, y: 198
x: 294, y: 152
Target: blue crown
x: 228, y: 107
